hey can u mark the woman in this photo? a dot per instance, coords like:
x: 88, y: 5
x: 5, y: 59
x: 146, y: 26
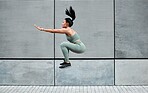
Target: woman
x: 75, y: 45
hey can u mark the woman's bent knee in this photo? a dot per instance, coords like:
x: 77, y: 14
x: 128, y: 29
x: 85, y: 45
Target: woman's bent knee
x: 63, y: 44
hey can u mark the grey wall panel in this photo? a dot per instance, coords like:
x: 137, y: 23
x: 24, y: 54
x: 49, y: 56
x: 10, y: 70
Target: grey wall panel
x: 18, y: 37
x: 131, y: 72
x: 86, y: 72
x: 26, y: 72
x: 131, y: 28
x: 94, y: 24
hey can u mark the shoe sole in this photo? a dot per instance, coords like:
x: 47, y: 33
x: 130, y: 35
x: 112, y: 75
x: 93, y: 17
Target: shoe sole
x: 65, y: 67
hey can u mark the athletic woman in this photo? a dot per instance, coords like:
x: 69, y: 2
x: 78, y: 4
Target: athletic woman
x: 75, y: 44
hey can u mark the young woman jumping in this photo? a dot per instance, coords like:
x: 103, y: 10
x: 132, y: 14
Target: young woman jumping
x: 75, y: 44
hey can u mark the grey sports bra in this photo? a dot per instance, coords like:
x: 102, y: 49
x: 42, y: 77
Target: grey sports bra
x: 73, y: 38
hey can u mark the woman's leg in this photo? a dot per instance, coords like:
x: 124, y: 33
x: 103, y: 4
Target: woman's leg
x: 65, y: 51
x: 66, y: 46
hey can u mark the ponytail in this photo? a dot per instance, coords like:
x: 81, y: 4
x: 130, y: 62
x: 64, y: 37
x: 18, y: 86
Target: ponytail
x: 70, y: 13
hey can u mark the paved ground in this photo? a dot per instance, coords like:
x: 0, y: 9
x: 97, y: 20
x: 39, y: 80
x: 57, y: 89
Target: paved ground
x: 73, y: 89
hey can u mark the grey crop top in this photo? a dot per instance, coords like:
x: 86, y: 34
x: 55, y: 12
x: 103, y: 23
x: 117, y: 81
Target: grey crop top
x: 73, y: 38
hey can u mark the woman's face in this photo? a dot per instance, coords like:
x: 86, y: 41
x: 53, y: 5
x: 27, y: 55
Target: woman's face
x: 64, y: 24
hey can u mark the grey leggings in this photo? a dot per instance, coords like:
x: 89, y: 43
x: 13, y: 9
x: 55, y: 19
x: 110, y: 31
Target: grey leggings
x: 77, y: 47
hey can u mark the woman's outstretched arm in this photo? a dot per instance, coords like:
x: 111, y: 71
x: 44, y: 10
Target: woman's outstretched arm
x: 62, y: 30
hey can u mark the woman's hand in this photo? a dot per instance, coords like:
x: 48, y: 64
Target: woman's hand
x: 39, y: 28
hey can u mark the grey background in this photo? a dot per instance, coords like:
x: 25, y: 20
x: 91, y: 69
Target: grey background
x: 18, y: 38
x: 94, y: 24
x: 26, y: 72
x: 131, y: 72
x: 86, y: 72
x: 82, y: 72
x: 131, y: 29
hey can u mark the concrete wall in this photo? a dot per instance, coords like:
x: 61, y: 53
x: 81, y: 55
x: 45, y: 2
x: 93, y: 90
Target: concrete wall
x: 18, y: 34
x: 131, y: 72
x: 94, y: 23
x: 82, y: 72
x: 26, y: 72
x: 35, y: 72
x: 86, y: 72
x: 131, y: 29
x: 18, y: 37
